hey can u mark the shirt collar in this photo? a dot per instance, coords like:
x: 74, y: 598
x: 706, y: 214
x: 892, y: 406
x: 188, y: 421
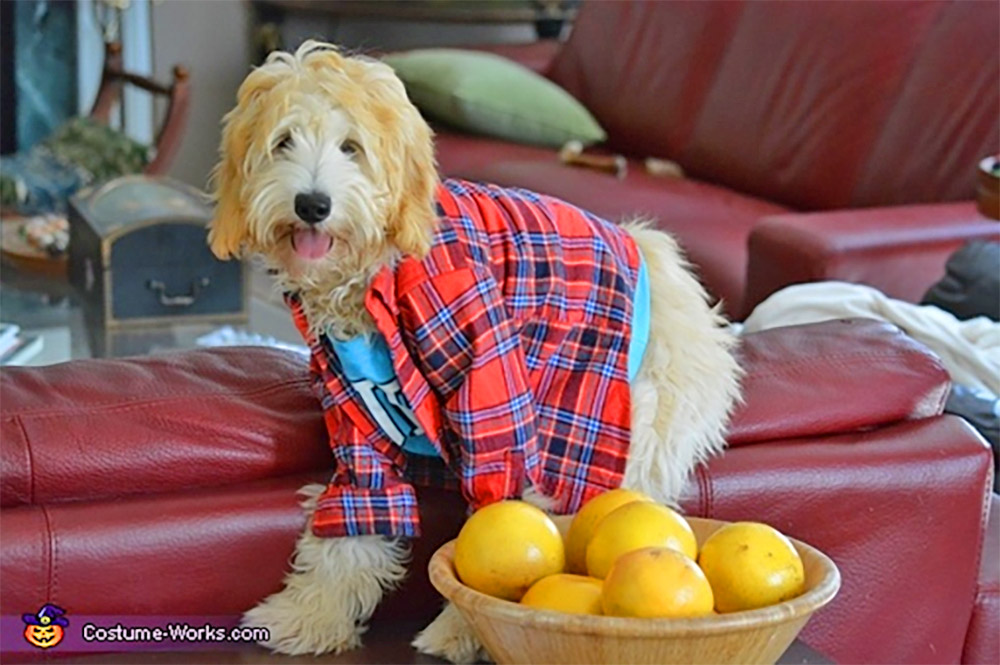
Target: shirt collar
x: 382, y: 288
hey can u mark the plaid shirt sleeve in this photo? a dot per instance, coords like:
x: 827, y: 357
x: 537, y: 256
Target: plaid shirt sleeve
x: 368, y: 494
x: 469, y: 352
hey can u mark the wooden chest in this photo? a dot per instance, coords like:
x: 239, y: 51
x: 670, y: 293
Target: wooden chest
x: 138, y: 256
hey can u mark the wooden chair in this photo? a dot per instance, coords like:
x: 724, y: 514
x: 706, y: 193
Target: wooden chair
x: 178, y: 94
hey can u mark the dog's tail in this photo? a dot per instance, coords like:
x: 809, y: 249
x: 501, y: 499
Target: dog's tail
x: 688, y: 381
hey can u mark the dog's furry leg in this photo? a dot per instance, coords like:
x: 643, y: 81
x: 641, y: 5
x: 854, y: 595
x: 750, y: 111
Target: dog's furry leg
x: 688, y: 381
x: 538, y: 500
x: 334, y: 587
x: 450, y: 637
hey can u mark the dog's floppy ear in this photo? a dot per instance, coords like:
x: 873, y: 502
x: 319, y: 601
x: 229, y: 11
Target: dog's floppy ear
x: 228, y: 232
x: 411, y: 173
x: 411, y: 227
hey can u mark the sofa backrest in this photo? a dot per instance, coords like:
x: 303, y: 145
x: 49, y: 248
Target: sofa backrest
x: 815, y: 105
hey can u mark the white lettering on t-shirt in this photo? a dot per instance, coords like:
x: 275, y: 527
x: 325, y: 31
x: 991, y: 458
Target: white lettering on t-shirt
x: 392, y: 394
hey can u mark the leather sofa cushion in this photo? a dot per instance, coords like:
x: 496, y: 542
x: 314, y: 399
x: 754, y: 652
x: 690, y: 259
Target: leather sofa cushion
x: 711, y: 85
x: 925, y: 145
x: 711, y: 223
x: 648, y: 88
x: 213, y: 417
x: 210, y: 551
x: 102, y: 428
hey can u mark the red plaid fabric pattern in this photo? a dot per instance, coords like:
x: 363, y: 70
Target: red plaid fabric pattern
x: 510, y: 342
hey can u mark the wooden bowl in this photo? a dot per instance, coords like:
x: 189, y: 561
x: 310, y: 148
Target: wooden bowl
x: 513, y: 633
x: 24, y: 256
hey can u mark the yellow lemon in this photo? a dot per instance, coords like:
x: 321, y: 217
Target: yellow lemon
x: 585, y: 521
x: 574, y: 594
x: 634, y: 526
x: 506, y: 547
x: 656, y: 582
x: 751, y: 565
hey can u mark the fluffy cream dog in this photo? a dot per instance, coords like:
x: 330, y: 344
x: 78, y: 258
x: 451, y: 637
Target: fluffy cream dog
x: 327, y: 172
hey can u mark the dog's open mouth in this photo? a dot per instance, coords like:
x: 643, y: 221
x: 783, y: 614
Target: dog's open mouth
x: 310, y: 244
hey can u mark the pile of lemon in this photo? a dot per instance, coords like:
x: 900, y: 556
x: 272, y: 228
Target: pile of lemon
x: 625, y: 555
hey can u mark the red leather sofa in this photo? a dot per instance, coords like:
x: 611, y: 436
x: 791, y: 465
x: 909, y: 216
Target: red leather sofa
x: 821, y: 140
x: 166, y: 486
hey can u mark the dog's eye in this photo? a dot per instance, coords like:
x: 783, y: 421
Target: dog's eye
x: 283, y: 143
x: 350, y: 148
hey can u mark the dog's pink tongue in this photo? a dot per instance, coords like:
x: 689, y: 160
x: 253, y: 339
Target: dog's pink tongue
x: 310, y: 243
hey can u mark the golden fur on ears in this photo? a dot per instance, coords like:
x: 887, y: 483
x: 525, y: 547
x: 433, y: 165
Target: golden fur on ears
x: 391, y: 130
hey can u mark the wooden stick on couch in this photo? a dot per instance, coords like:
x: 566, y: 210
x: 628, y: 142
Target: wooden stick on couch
x: 572, y: 154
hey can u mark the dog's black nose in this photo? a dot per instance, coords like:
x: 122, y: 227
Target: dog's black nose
x: 312, y: 208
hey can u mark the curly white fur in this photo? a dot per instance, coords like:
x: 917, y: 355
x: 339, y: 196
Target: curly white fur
x: 334, y: 586
x: 688, y: 381
x: 450, y: 637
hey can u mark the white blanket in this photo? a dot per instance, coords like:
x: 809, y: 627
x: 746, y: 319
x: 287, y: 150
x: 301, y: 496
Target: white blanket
x: 970, y: 350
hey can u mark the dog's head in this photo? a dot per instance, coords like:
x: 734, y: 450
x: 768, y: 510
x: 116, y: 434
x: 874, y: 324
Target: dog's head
x: 325, y: 166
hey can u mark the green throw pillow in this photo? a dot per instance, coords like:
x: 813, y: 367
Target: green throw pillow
x: 488, y: 94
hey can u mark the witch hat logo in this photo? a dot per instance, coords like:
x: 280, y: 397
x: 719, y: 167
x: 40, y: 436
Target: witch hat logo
x: 45, y: 629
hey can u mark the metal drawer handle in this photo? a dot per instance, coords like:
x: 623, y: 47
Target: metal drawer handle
x: 178, y: 301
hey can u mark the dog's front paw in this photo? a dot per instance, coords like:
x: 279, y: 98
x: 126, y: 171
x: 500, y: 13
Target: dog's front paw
x: 298, y: 622
x: 450, y: 637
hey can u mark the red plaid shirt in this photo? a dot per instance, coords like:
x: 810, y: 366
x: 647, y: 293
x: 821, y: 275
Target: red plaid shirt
x: 510, y: 342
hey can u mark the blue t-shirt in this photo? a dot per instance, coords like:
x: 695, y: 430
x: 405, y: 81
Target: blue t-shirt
x: 368, y: 366
x: 640, y: 322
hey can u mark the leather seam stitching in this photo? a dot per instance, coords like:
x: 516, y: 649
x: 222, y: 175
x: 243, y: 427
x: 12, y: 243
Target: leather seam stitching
x: 114, y: 407
x: 710, y: 493
x: 51, y: 548
x: 782, y: 367
x: 984, y: 524
x: 320, y: 477
x: 945, y: 388
x: 701, y: 489
x: 943, y: 392
x: 31, y: 459
x: 705, y: 482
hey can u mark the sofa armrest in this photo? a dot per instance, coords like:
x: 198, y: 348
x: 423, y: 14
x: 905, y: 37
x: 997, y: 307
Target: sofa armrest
x: 899, y: 250
x: 859, y: 374
x: 163, y: 423
x: 982, y: 642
